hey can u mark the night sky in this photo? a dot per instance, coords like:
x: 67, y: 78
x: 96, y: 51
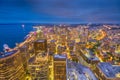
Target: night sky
x: 59, y: 11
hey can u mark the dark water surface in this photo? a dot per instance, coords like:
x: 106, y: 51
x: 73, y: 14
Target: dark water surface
x: 13, y: 33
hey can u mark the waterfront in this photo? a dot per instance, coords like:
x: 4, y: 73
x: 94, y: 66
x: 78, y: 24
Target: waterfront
x: 71, y: 52
x: 13, y: 33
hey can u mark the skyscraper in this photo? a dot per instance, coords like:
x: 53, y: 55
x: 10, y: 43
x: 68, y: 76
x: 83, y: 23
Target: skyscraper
x: 11, y: 66
x: 40, y: 45
x: 38, y: 68
x: 59, y: 65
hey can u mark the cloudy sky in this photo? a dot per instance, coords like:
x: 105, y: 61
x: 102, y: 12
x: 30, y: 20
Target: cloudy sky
x: 59, y: 11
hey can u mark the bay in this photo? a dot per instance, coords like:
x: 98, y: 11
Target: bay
x: 11, y: 34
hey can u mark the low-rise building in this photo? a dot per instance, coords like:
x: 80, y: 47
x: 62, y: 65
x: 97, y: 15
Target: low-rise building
x: 107, y: 71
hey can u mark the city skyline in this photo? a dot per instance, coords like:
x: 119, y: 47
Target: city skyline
x: 59, y: 40
x: 59, y: 11
x: 62, y: 52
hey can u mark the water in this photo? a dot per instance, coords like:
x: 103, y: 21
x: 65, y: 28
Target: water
x: 13, y: 33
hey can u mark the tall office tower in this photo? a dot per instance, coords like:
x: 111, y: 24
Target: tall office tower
x: 52, y: 46
x: 84, y: 32
x: 81, y: 35
x: 59, y: 67
x: 63, y: 39
x: 40, y: 45
x: 25, y: 53
x: 11, y: 66
x: 71, y: 46
x: 38, y: 67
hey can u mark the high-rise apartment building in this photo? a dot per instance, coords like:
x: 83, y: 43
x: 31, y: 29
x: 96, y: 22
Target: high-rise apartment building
x: 38, y: 68
x: 11, y: 66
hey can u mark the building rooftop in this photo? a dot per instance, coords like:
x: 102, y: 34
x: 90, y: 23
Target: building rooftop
x: 7, y: 53
x: 41, y: 40
x: 60, y: 56
x: 90, y: 55
x: 53, y: 40
x: 80, y: 72
x: 109, y: 70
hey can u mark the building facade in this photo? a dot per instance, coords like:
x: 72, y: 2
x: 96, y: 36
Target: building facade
x: 11, y: 66
x: 38, y: 68
x: 40, y: 45
x: 59, y: 67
